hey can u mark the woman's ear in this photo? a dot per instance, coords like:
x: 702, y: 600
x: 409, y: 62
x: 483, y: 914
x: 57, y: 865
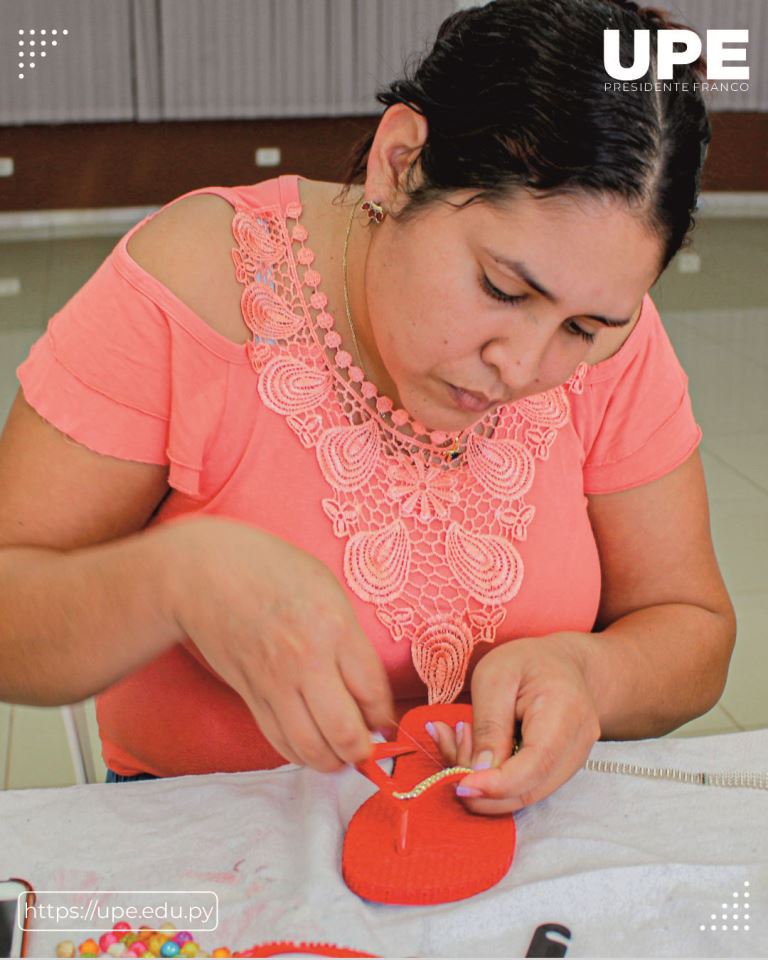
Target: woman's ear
x: 399, y: 139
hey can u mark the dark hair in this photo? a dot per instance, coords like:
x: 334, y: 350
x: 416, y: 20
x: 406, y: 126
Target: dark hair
x: 513, y: 94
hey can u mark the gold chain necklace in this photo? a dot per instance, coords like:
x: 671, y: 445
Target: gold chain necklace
x: 455, y: 448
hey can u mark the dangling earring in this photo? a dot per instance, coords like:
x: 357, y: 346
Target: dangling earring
x: 374, y: 210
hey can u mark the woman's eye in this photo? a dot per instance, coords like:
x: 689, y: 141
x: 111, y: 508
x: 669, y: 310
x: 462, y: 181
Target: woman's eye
x: 499, y: 294
x: 577, y: 331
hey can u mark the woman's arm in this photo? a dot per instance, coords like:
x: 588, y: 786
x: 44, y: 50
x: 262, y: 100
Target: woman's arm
x: 84, y: 590
x: 666, y: 626
x: 666, y: 631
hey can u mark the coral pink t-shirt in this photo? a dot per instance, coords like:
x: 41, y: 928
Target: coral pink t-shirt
x: 440, y: 558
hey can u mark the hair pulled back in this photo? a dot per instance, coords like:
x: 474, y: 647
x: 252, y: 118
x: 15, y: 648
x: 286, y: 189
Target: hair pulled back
x: 514, y: 97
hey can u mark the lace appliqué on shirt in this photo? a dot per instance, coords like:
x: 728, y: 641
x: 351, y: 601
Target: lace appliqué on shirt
x: 431, y: 545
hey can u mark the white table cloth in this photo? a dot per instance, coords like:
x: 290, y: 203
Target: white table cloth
x: 634, y: 867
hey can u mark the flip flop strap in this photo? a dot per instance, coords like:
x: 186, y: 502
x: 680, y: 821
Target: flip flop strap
x: 448, y: 772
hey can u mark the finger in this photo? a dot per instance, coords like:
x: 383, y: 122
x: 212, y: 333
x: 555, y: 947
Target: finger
x: 548, y: 735
x: 337, y: 716
x: 364, y: 675
x: 494, y: 695
x: 444, y: 736
x: 304, y: 735
x: 570, y: 765
x: 464, y: 740
x: 270, y: 727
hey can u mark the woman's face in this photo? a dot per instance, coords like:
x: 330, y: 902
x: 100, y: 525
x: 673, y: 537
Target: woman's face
x: 429, y: 324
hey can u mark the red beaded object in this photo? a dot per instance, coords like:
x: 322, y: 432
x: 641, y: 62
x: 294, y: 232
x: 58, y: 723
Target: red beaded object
x: 428, y: 848
x: 288, y: 946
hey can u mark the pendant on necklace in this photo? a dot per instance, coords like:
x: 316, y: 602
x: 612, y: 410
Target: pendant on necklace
x: 453, y: 451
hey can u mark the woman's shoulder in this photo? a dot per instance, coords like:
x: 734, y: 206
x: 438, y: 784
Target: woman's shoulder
x: 187, y: 247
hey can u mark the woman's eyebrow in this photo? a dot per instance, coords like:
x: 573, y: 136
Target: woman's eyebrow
x: 522, y: 271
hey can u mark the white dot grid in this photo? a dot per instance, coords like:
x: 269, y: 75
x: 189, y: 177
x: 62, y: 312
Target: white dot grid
x: 32, y: 43
x: 735, y: 916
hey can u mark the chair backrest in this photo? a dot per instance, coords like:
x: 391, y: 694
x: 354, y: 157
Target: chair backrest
x: 76, y: 726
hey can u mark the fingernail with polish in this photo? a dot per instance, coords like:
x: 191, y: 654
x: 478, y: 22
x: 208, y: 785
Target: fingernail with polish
x: 484, y: 760
x: 459, y: 730
x: 430, y: 728
x: 468, y: 792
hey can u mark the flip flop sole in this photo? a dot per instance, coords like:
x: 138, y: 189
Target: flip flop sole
x: 450, y: 853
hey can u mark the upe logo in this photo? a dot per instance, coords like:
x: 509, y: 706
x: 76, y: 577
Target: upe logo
x: 668, y: 56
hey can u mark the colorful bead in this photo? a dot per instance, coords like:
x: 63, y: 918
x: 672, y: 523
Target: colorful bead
x: 190, y: 949
x: 155, y: 943
x: 221, y: 952
x: 122, y: 927
x: 168, y: 928
x: 107, y: 939
x: 65, y: 948
x: 130, y: 938
x: 145, y: 932
x: 169, y: 949
x: 89, y: 948
x: 183, y: 936
x: 116, y: 949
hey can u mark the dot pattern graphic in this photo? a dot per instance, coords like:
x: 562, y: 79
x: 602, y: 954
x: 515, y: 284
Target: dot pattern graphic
x: 31, y: 43
x: 734, y: 916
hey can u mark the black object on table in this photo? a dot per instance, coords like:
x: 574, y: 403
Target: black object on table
x: 542, y: 946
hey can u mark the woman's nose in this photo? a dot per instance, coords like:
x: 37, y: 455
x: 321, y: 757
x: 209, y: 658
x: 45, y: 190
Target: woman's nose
x: 518, y: 360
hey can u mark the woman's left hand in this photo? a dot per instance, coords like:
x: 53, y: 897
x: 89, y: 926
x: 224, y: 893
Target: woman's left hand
x: 540, y: 683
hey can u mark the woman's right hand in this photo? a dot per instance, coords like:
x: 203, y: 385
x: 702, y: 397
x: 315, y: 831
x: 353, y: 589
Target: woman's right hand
x: 275, y: 624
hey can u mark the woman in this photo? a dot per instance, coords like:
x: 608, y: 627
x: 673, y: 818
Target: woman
x: 429, y: 442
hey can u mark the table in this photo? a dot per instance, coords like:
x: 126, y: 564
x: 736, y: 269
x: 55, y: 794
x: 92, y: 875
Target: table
x: 633, y: 866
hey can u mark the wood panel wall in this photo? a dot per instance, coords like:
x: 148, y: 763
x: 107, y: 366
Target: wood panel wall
x: 93, y: 165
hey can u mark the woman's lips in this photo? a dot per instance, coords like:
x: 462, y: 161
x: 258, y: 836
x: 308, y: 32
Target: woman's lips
x: 469, y: 400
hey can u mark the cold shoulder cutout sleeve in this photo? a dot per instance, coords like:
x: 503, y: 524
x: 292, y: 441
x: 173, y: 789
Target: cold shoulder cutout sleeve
x: 126, y: 369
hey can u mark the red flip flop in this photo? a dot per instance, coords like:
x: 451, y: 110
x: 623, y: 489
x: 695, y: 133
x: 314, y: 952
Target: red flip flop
x: 414, y: 842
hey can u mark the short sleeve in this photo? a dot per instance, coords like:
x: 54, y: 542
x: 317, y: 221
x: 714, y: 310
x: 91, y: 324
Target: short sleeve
x: 639, y: 422
x: 116, y: 373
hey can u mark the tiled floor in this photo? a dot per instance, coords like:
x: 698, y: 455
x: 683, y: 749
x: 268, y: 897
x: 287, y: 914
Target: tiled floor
x: 718, y: 322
